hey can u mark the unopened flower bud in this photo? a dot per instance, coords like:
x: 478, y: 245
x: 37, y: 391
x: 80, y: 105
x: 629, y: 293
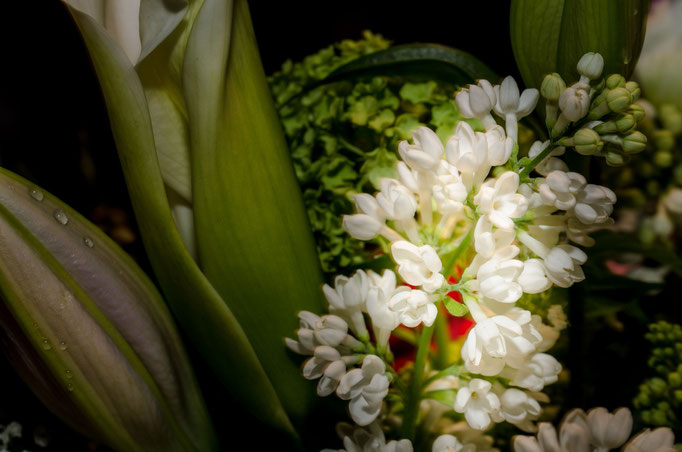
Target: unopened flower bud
x: 615, y: 81
x: 618, y: 99
x: 88, y: 331
x: 552, y: 87
x: 634, y: 142
x: 590, y: 65
x: 575, y: 101
x: 637, y: 112
x: 587, y: 142
x: 626, y: 123
x: 663, y: 139
x: 633, y: 88
x: 615, y: 158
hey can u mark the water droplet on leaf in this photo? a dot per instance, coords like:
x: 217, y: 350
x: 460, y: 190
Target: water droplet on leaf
x: 46, y: 345
x: 36, y: 194
x: 62, y: 345
x: 88, y: 242
x: 60, y: 216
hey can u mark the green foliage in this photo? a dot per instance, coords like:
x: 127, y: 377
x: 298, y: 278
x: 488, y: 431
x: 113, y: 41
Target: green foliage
x: 551, y: 35
x: 660, y: 397
x: 343, y: 137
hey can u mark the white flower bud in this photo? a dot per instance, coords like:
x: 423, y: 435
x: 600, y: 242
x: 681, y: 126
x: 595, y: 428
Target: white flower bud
x: 574, y: 102
x: 418, y: 266
x: 609, y: 431
x: 591, y: 65
x: 425, y: 153
x: 361, y: 226
x: 396, y: 200
x: 661, y: 439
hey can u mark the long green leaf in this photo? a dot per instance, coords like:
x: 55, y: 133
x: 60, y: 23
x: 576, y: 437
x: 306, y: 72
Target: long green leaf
x: 254, y: 241
x: 437, y: 62
x: 194, y: 301
x: 551, y: 35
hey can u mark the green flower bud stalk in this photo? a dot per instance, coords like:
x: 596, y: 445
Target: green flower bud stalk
x: 552, y: 87
x: 89, y: 332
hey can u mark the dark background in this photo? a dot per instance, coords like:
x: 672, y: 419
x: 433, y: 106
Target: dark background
x: 54, y: 130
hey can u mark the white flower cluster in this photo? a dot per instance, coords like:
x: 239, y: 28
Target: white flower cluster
x: 326, y: 339
x: 469, y: 196
x: 368, y: 439
x: 597, y: 430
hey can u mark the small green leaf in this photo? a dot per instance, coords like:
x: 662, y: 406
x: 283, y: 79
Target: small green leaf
x: 418, y: 92
x: 455, y: 308
x: 551, y: 35
x: 445, y: 396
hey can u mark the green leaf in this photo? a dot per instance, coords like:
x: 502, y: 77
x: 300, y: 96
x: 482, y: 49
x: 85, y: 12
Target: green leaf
x: 431, y: 61
x: 454, y: 307
x: 418, y: 92
x: 254, y: 241
x: 197, y: 305
x: 551, y: 35
x: 445, y: 396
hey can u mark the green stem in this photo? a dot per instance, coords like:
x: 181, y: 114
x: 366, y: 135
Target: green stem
x: 536, y: 161
x: 351, y: 147
x: 457, y: 253
x: 442, y: 340
x: 413, y: 396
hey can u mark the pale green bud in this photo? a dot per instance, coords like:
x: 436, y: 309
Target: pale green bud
x: 615, y: 81
x: 552, y: 87
x: 626, y: 123
x: 587, y: 142
x: 90, y: 333
x: 634, y: 142
x: 633, y: 88
x: 590, y: 65
x: 618, y: 99
x: 637, y: 112
x: 615, y: 159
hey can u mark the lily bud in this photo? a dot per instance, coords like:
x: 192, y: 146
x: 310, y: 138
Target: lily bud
x: 590, y: 65
x: 634, y: 142
x: 552, y: 87
x: 89, y: 332
x: 618, y: 99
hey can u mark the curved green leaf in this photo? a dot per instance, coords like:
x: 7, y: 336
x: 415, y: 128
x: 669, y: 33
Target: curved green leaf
x: 254, y: 241
x: 434, y: 61
x: 196, y: 304
x: 551, y: 35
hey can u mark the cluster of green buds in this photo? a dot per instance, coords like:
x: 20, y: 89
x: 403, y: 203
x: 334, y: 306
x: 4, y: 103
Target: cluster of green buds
x: 660, y: 398
x: 595, y: 115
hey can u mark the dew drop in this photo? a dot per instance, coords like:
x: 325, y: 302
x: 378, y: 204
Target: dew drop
x: 60, y: 216
x: 63, y: 346
x: 36, y: 194
x: 69, y: 386
x: 35, y: 325
x: 88, y: 242
x: 46, y: 345
x: 69, y: 374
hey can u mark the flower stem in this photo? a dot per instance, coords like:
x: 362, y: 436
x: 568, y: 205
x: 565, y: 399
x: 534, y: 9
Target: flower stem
x: 536, y: 161
x: 442, y: 340
x: 414, y: 392
x: 457, y: 253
